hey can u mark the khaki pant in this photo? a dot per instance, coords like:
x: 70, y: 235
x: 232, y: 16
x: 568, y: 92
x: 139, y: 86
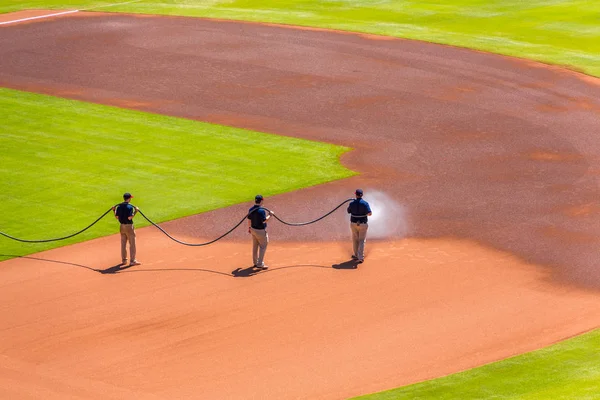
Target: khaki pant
x: 260, y: 240
x: 127, y: 234
x: 359, y: 237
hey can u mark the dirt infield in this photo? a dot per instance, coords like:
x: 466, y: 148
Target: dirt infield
x: 492, y: 164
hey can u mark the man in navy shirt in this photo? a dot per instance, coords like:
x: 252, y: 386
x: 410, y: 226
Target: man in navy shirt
x: 257, y: 227
x: 125, y: 212
x: 359, y: 210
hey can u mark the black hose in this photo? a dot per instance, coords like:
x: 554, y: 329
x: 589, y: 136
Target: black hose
x: 239, y: 223
x: 179, y: 241
x: 309, y: 222
x: 61, y: 238
x: 194, y: 244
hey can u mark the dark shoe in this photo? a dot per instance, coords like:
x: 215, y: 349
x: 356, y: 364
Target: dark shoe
x: 354, y: 257
x: 360, y: 261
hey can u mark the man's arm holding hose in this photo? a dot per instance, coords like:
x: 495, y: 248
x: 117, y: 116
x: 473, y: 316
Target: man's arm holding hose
x: 135, y: 210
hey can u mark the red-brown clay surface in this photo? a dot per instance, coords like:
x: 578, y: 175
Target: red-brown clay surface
x: 490, y: 168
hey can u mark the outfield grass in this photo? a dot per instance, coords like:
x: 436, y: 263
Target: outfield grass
x: 564, y: 32
x: 568, y: 370
x: 63, y: 163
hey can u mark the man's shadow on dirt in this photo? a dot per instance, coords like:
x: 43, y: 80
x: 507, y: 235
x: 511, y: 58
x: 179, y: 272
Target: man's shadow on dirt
x: 246, y: 272
x: 114, y: 269
x: 350, y: 264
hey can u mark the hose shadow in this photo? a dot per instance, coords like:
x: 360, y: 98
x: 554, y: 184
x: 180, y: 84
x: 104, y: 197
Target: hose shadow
x: 251, y: 271
x: 236, y: 273
x: 120, y: 271
x: 110, y: 270
x: 51, y: 261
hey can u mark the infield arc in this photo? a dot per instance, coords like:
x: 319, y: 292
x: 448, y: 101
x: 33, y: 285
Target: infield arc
x: 469, y: 142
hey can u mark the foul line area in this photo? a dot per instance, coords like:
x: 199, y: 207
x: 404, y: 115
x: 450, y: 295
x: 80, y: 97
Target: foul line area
x: 14, y: 21
x: 64, y: 13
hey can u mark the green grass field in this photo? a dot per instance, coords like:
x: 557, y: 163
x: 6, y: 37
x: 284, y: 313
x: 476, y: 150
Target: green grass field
x: 563, y: 32
x: 568, y: 370
x: 63, y: 163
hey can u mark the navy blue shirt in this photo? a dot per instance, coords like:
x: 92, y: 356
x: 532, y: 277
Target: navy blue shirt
x: 123, y: 211
x: 258, y: 217
x: 358, y: 210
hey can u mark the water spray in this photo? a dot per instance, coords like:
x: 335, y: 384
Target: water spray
x: 389, y: 219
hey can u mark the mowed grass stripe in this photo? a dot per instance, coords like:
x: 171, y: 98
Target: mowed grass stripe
x: 568, y: 370
x: 564, y: 32
x: 65, y: 162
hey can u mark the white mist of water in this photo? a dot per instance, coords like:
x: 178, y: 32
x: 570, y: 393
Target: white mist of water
x: 389, y: 219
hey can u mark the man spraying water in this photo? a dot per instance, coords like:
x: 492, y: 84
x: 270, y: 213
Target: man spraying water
x: 359, y: 211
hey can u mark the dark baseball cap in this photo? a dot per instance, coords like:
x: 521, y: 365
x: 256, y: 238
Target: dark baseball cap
x: 258, y: 198
x: 359, y: 192
x: 127, y: 196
